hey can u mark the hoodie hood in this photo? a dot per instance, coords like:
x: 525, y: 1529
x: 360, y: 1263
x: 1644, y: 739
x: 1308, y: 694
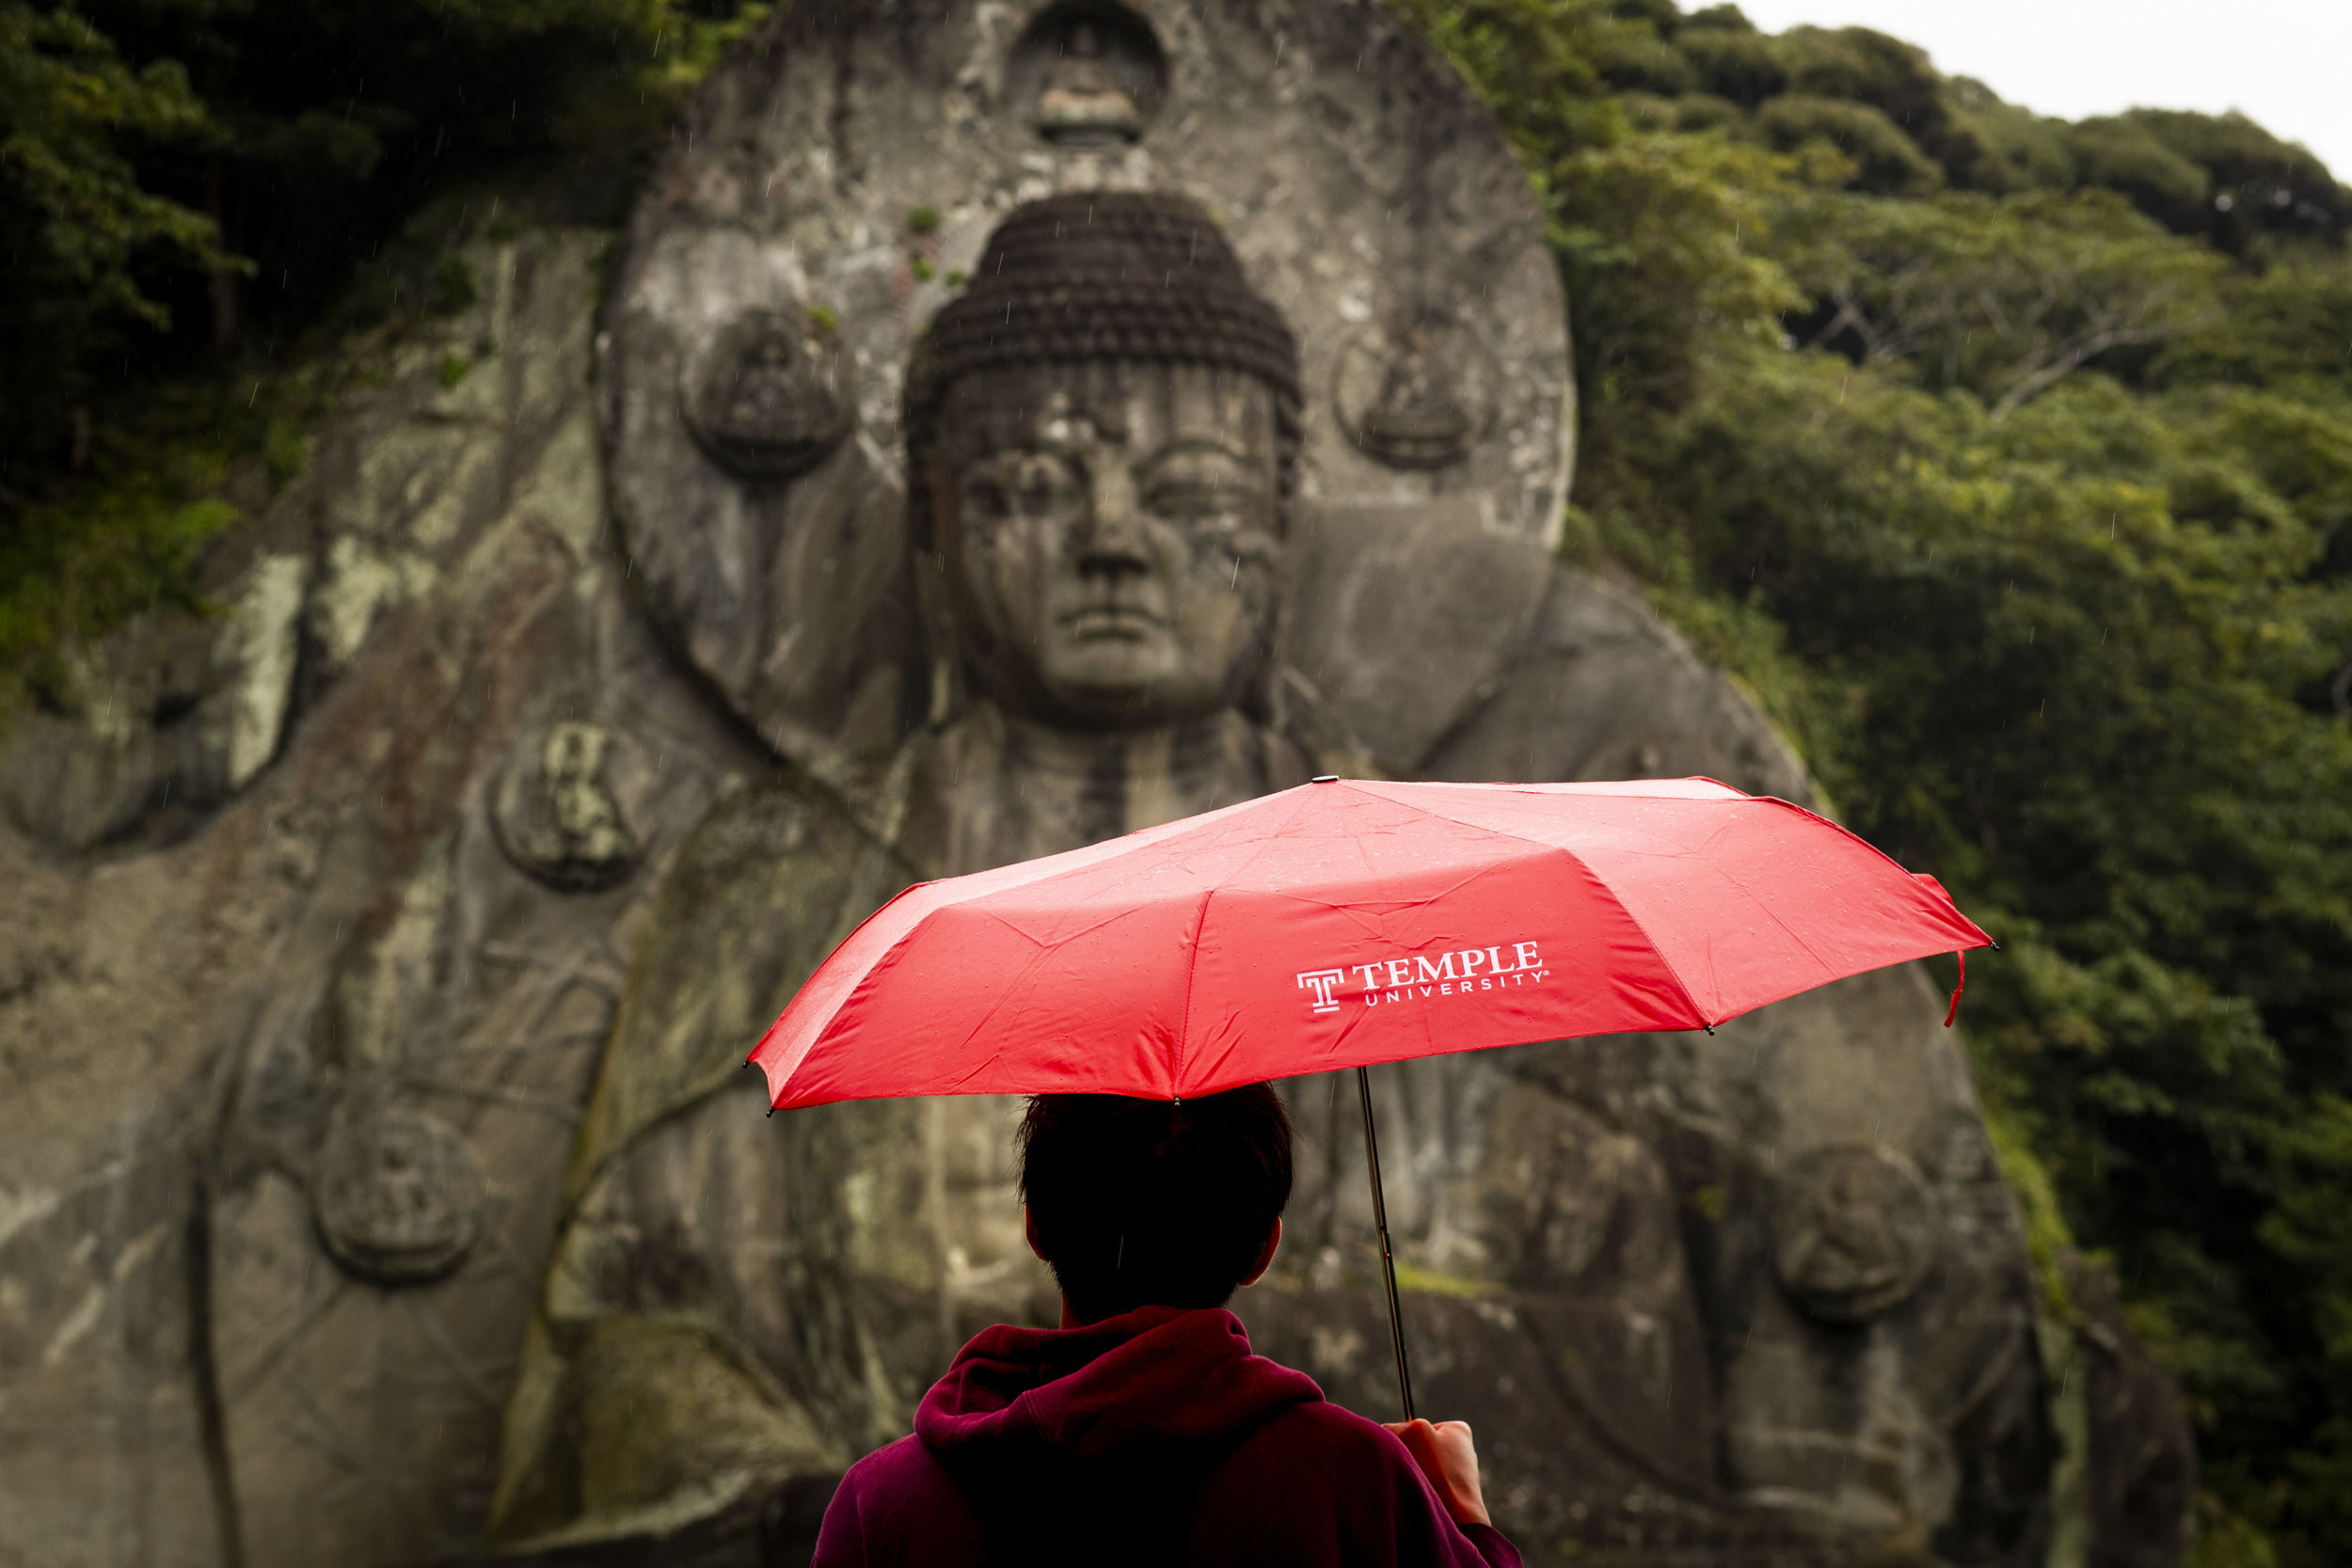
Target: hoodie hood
x: 1155, y: 1384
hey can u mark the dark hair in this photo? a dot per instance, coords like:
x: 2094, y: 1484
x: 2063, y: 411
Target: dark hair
x: 1151, y: 1202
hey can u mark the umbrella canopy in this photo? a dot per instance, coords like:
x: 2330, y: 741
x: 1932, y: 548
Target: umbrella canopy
x: 1343, y: 924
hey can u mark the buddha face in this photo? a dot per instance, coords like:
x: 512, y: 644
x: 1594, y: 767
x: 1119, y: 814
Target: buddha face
x: 1110, y: 534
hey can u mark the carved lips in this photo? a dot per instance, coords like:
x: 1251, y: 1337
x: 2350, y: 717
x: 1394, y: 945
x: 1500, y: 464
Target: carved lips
x: 1124, y: 621
x: 1342, y: 924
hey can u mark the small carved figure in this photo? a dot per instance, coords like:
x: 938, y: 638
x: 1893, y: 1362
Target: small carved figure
x: 563, y: 807
x: 763, y: 397
x: 1414, y: 397
x: 397, y: 1195
x: 1082, y: 101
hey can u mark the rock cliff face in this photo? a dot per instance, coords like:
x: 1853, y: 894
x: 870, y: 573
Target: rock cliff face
x: 302, y: 974
x: 322, y: 911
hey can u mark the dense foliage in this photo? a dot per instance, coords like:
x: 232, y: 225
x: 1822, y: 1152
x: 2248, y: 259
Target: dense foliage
x: 2010, y: 462
x: 185, y: 185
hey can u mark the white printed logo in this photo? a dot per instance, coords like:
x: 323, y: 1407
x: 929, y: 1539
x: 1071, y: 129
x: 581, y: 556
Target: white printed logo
x: 1320, y: 981
x: 1424, y: 977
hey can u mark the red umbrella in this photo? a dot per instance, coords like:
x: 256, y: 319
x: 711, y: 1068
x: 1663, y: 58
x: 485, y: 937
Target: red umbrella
x: 1345, y: 924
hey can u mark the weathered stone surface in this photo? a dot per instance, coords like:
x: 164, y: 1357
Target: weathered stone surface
x: 292, y: 1069
x: 302, y: 1025
x: 1378, y: 585
x: 175, y: 712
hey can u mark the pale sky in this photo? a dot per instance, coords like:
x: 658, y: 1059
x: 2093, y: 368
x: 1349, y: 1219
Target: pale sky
x: 2285, y: 63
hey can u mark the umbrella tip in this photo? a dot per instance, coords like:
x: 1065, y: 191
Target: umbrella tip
x: 1709, y: 1028
x: 1994, y: 945
x: 1324, y: 777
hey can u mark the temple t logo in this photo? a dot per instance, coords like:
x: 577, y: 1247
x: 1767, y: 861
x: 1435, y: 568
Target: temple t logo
x: 1320, y: 981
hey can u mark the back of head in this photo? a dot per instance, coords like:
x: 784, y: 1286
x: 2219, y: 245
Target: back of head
x: 1154, y: 1203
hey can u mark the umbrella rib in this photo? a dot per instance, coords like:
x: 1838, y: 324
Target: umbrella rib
x: 1789, y: 931
x: 1192, y: 972
x: 1004, y: 999
x: 1672, y: 972
x: 1793, y: 934
x: 1192, y: 963
x: 1828, y: 966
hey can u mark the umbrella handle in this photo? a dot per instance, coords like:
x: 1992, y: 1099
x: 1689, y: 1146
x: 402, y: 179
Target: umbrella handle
x: 1387, y: 1259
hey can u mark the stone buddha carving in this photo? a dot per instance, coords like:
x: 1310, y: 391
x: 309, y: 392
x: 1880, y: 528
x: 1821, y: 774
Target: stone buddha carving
x: 1102, y: 438
x: 1084, y: 102
x: 1422, y: 414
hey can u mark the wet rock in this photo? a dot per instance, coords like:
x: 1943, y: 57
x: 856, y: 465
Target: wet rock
x: 292, y: 1063
x: 176, y: 711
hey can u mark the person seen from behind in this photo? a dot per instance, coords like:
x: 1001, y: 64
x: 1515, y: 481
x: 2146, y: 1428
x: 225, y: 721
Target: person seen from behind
x: 1143, y: 1429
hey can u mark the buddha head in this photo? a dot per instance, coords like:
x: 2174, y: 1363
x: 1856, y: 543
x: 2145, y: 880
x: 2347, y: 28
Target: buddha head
x: 1102, y: 432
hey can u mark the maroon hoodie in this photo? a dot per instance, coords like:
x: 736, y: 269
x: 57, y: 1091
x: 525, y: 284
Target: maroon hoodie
x: 1154, y: 1437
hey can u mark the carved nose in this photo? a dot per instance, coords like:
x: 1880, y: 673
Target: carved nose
x: 1114, y: 542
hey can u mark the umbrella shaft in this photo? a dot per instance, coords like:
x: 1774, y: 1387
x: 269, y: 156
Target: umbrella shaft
x: 1387, y: 1259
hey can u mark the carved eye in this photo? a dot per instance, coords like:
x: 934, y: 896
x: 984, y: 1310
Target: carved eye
x: 984, y: 497
x: 1212, y: 505
x: 1203, y: 487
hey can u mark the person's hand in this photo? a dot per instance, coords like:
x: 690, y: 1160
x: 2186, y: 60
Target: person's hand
x: 1444, y: 1453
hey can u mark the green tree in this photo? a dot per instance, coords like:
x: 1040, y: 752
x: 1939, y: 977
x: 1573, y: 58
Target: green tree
x: 79, y: 225
x: 2002, y: 296
x: 186, y: 184
x: 194, y: 176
